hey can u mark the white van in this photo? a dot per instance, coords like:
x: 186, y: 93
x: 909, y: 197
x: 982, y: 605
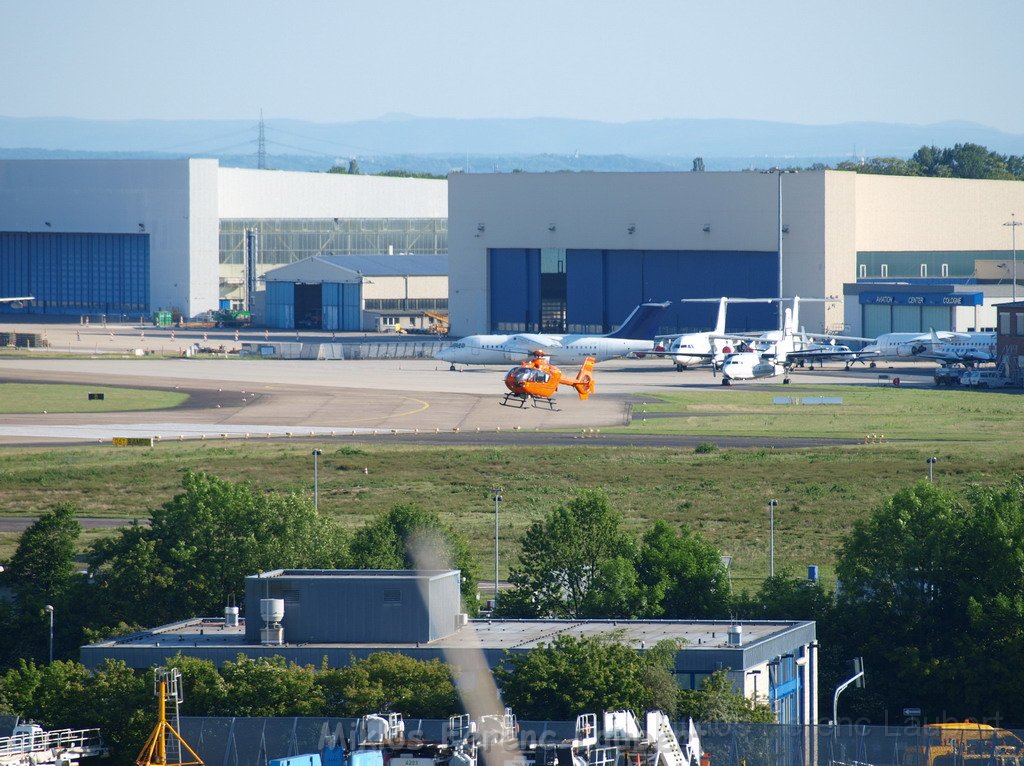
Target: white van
x: 984, y: 379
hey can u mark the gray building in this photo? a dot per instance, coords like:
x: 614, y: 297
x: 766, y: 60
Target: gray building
x: 338, y: 615
x: 357, y: 292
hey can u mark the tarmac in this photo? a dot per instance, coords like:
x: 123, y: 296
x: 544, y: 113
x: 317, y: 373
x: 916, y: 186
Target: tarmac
x: 420, y: 400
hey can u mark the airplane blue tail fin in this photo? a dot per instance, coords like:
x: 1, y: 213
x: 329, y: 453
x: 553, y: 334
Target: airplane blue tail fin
x: 642, y: 324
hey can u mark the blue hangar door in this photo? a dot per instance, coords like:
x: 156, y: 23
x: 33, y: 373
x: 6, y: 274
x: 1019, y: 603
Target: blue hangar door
x: 341, y: 304
x: 75, y: 274
x: 604, y: 286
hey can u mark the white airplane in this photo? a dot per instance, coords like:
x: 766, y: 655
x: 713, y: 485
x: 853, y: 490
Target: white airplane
x: 777, y: 352
x: 943, y: 346
x: 635, y: 336
x: 712, y: 347
x: 18, y: 303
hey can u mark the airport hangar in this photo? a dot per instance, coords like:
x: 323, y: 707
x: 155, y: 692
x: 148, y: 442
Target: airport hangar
x: 575, y: 252
x: 342, y: 615
x: 128, y: 237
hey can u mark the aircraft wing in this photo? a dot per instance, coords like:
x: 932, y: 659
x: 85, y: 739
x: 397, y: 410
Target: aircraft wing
x: 22, y: 299
x: 524, y: 343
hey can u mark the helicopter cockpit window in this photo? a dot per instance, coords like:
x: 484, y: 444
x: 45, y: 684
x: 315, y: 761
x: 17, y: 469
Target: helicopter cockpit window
x: 530, y: 375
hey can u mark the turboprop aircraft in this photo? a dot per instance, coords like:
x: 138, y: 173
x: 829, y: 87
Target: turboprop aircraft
x: 536, y: 380
x: 635, y: 336
x: 942, y: 346
x: 777, y: 352
x: 709, y: 347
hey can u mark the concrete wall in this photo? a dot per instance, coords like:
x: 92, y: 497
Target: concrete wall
x: 245, y: 193
x: 405, y: 287
x: 170, y: 198
x: 596, y: 210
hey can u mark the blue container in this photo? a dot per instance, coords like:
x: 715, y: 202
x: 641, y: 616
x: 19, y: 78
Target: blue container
x: 812, y: 573
x: 225, y: 304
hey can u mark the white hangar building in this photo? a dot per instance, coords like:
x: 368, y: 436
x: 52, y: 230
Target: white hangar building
x: 575, y: 252
x: 127, y: 237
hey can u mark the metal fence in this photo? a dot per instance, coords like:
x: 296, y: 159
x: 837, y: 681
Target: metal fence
x: 253, y: 741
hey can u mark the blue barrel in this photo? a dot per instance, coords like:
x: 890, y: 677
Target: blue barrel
x: 812, y: 572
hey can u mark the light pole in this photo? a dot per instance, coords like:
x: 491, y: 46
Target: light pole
x: 1013, y: 223
x: 771, y: 537
x: 49, y: 610
x: 931, y: 464
x: 316, y: 479
x: 780, y: 172
x: 497, y: 500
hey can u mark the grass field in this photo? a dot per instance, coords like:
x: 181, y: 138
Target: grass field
x: 722, y: 493
x: 17, y: 398
x: 932, y: 414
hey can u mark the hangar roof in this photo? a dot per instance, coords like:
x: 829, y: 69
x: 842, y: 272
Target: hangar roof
x: 360, y: 265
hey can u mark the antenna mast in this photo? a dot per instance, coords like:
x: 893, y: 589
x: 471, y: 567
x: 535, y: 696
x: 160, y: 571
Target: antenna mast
x: 261, y: 146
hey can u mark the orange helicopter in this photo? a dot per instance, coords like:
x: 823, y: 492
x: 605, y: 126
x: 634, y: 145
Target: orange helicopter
x: 535, y: 380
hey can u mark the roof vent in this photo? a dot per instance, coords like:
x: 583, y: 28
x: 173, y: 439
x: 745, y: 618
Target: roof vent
x: 735, y: 636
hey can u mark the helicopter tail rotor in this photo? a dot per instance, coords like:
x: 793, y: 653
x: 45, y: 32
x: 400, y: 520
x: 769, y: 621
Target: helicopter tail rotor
x: 584, y: 383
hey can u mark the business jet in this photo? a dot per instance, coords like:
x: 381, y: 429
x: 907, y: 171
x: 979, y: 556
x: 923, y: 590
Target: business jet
x: 635, y: 336
x: 943, y: 346
x: 710, y: 347
x: 777, y: 352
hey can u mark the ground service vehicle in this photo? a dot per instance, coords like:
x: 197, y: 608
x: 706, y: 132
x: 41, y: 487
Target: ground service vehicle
x: 965, y: 744
x: 984, y: 379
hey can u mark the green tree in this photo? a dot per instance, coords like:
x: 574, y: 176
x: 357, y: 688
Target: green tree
x: 717, y: 701
x: 571, y: 675
x: 390, y: 681
x: 42, y: 572
x: 899, y: 569
x: 202, y: 544
x: 562, y: 556
x: 409, y: 537
x: 43, y: 565
x: 682, y: 574
x: 270, y: 687
x: 206, y: 691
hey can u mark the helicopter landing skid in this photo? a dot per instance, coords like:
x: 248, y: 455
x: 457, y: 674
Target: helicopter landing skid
x: 519, y: 401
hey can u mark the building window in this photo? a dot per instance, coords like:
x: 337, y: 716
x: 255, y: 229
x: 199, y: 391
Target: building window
x: 924, y: 269
x: 862, y: 271
x: 1004, y: 322
x: 945, y: 269
x: 885, y: 270
x: 1020, y: 323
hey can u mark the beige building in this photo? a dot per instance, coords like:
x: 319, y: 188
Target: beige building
x: 576, y: 251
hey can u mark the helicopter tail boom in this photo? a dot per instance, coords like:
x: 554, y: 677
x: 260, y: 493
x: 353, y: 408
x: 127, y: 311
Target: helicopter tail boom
x: 584, y: 383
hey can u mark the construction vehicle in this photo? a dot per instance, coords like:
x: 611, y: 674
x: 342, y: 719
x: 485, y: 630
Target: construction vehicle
x: 437, y: 322
x: 965, y: 744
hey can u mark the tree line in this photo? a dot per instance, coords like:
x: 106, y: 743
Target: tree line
x: 965, y: 160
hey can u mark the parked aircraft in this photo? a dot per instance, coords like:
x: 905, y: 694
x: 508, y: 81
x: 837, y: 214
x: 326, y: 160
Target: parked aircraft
x: 18, y: 303
x: 777, y: 352
x: 942, y: 346
x: 636, y: 335
x: 537, y: 380
x: 710, y: 347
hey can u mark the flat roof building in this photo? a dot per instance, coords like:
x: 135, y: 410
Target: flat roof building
x: 575, y: 252
x: 339, y: 615
x: 127, y: 237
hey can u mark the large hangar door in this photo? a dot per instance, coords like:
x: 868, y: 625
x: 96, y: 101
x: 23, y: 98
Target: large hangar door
x: 936, y: 318
x: 906, y: 319
x: 877, y: 320
x: 280, y: 302
x: 309, y: 306
x: 514, y: 288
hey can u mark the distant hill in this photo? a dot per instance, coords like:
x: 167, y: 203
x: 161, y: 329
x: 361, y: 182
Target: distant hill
x: 485, y: 145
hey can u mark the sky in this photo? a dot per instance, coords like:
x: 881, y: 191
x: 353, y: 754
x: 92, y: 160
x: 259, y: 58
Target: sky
x: 802, y: 61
